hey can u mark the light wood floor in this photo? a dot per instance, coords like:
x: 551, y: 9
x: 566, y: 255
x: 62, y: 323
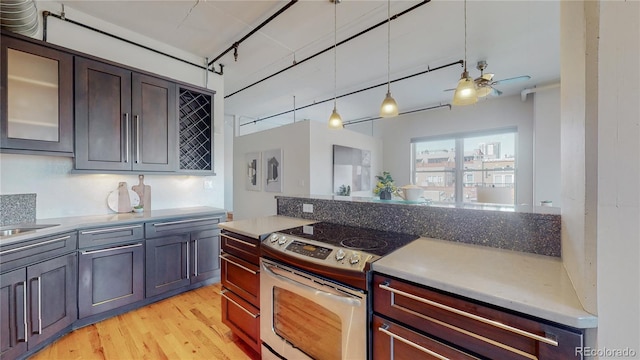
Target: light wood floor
x: 187, y: 326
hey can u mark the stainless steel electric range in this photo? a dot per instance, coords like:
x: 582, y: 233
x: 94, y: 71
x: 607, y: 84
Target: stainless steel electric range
x: 313, y: 289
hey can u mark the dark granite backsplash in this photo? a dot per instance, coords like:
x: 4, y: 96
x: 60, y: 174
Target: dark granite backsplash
x: 18, y: 208
x: 528, y: 232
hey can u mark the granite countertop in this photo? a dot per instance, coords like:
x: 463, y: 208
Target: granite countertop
x: 72, y: 223
x: 257, y: 227
x: 532, y: 284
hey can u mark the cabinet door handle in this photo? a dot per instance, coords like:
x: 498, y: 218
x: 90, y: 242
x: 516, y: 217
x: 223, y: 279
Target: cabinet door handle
x: 238, y: 265
x: 222, y: 293
x: 39, y: 304
x: 383, y: 329
x: 136, y: 119
x: 34, y: 245
x: 187, y: 260
x: 195, y: 257
x: 24, y: 309
x: 127, y: 126
x: 184, y: 221
x: 100, y: 231
x: 481, y: 319
x: 240, y: 241
x: 110, y: 249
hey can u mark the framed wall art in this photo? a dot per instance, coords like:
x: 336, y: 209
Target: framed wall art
x: 272, y: 165
x: 253, y: 166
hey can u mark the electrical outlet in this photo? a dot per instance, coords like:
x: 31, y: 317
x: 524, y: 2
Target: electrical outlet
x: 308, y: 208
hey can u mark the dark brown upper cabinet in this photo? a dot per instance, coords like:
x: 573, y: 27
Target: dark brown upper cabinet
x: 36, y: 105
x: 124, y: 120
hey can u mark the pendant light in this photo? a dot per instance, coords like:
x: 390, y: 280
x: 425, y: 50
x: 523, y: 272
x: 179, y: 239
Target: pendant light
x: 389, y: 107
x: 335, y: 120
x: 466, y: 93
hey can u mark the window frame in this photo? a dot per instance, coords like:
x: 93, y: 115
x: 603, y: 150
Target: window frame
x: 459, y: 171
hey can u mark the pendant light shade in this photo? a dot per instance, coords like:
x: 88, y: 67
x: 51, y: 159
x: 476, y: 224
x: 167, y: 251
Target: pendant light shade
x: 389, y: 107
x: 466, y: 92
x: 335, y: 120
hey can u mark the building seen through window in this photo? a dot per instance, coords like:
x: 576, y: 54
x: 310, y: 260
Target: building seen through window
x: 485, y: 173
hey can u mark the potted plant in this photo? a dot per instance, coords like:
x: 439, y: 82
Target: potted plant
x: 385, y: 187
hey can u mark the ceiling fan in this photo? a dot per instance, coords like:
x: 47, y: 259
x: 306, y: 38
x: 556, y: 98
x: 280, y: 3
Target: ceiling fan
x: 485, y: 83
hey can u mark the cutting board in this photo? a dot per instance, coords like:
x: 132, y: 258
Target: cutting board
x: 144, y: 192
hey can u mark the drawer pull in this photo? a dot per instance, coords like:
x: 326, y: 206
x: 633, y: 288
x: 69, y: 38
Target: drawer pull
x: 238, y: 265
x: 222, y: 293
x: 184, y: 221
x: 100, y: 231
x: 34, y: 245
x: 383, y: 329
x: 481, y: 319
x: 240, y: 241
x: 110, y: 249
x: 39, y: 305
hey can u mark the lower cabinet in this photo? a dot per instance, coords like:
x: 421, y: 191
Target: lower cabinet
x: 110, y: 278
x: 36, y: 302
x: 440, y: 322
x: 183, y: 252
x: 241, y: 287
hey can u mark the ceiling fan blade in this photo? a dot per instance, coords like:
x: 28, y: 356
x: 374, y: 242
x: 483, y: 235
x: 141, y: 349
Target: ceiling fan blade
x: 496, y: 92
x: 449, y: 89
x: 487, y: 77
x: 484, y: 91
x: 510, y: 80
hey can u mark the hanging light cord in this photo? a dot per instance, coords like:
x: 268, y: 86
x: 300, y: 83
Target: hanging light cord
x: 335, y: 43
x: 388, y: 46
x: 465, y: 35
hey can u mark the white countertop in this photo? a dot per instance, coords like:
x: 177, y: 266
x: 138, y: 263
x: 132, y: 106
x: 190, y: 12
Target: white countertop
x: 256, y: 227
x: 532, y: 284
x: 73, y: 223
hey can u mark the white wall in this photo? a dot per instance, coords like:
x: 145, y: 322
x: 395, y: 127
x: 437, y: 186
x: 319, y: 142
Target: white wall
x: 618, y: 129
x: 546, y: 145
x: 293, y: 139
x: 64, y: 194
x: 578, y: 229
x: 508, y: 111
x: 321, y: 151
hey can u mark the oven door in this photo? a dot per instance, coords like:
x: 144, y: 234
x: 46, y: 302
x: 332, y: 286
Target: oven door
x: 308, y: 317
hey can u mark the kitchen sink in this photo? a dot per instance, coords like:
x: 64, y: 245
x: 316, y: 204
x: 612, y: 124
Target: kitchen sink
x: 22, y: 228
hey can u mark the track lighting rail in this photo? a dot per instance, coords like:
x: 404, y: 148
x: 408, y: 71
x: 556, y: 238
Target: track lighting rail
x: 236, y: 44
x: 429, y: 69
x: 402, y: 113
x: 46, y: 14
x: 296, y: 63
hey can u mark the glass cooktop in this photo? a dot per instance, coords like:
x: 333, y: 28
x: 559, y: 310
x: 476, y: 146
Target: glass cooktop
x: 372, y: 241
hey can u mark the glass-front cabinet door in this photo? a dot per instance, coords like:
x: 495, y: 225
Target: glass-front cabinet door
x: 37, y: 98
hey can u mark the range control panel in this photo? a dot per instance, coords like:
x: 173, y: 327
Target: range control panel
x: 319, y: 252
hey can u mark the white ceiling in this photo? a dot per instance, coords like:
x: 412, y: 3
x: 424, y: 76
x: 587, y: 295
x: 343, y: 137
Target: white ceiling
x: 514, y: 37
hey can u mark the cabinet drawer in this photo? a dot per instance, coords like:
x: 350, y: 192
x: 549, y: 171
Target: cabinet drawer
x: 480, y: 328
x: 181, y: 226
x: 32, y: 251
x: 241, y: 277
x: 393, y: 341
x: 242, y: 317
x: 241, y: 246
x: 110, y: 235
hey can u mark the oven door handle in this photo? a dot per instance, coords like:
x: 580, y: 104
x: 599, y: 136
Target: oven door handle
x: 342, y: 297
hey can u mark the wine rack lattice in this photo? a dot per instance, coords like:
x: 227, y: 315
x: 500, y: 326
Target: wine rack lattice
x: 196, y: 133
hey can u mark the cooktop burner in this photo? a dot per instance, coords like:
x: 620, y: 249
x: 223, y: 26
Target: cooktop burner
x: 372, y: 241
x: 366, y: 244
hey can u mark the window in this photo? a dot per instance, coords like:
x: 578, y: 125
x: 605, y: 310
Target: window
x: 472, y: 167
